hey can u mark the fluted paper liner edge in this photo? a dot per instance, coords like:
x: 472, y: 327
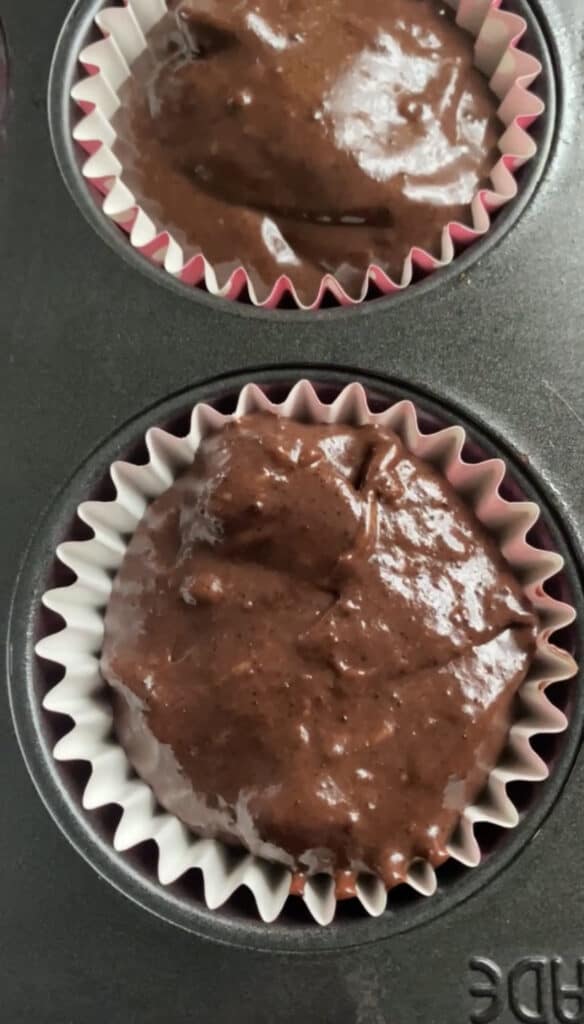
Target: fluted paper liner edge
x: 108, y: 62
x: 83, y: 695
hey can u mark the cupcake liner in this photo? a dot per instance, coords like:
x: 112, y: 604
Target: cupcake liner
x: 85, y: 698
x: 108, y: 64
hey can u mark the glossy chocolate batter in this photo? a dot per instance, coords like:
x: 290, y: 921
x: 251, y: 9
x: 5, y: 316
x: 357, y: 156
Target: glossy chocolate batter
x: 307, y: 136
x: 315, y: 648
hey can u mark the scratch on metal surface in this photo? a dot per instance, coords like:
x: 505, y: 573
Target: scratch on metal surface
x: 367, y: 990
x: 563, y: 400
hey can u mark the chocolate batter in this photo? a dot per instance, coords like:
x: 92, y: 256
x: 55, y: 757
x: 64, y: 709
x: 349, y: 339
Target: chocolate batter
x: 315, y: 648
x: 301, y: 137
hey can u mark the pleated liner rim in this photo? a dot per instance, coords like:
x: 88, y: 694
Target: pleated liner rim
x: 83, y: 695
x: 511, y: 73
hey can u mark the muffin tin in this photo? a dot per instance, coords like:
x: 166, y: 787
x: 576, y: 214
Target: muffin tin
x: 93, y: 352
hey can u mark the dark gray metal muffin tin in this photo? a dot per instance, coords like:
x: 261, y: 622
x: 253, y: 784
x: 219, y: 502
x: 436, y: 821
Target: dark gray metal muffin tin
x: 92, y: 350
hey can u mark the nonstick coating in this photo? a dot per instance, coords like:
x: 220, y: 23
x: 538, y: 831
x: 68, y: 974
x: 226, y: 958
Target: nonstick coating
x: 89, y: 342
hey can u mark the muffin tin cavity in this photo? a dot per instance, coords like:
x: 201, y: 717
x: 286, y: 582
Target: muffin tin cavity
x: 62, y: 784
x: 79, y: 31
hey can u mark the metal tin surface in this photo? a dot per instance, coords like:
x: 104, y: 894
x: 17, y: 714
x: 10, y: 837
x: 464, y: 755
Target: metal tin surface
x: 89, y: 343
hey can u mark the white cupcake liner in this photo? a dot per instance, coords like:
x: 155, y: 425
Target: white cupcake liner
x: 108, y: 64
x: 83, y: 695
